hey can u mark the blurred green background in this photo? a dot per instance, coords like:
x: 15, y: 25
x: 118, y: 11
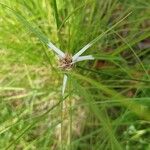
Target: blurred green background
x: 106, y: 104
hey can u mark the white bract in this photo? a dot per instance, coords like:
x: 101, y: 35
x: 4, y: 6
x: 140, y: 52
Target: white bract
x: 66, y: 59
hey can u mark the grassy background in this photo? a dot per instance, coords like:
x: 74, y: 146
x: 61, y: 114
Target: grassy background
x: 107, y: 100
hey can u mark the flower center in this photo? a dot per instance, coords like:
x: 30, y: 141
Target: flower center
x: 66, y: 62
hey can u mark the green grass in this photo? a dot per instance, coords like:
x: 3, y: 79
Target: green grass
x: 106, y: 104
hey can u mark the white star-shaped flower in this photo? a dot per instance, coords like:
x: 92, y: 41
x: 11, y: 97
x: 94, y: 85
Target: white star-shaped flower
x: 67, y: 61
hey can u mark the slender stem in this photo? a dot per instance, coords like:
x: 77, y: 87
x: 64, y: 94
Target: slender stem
x: 61, y: 128
x: 70, y: 116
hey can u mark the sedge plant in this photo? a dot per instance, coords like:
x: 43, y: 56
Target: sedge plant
x: 106, y: 103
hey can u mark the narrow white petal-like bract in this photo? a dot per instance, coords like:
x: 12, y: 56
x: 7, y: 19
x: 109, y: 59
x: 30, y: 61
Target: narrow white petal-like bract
x: 64, y: 84
x: 74, y: 58
x: 82, y: 58
x: 56, y: 50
